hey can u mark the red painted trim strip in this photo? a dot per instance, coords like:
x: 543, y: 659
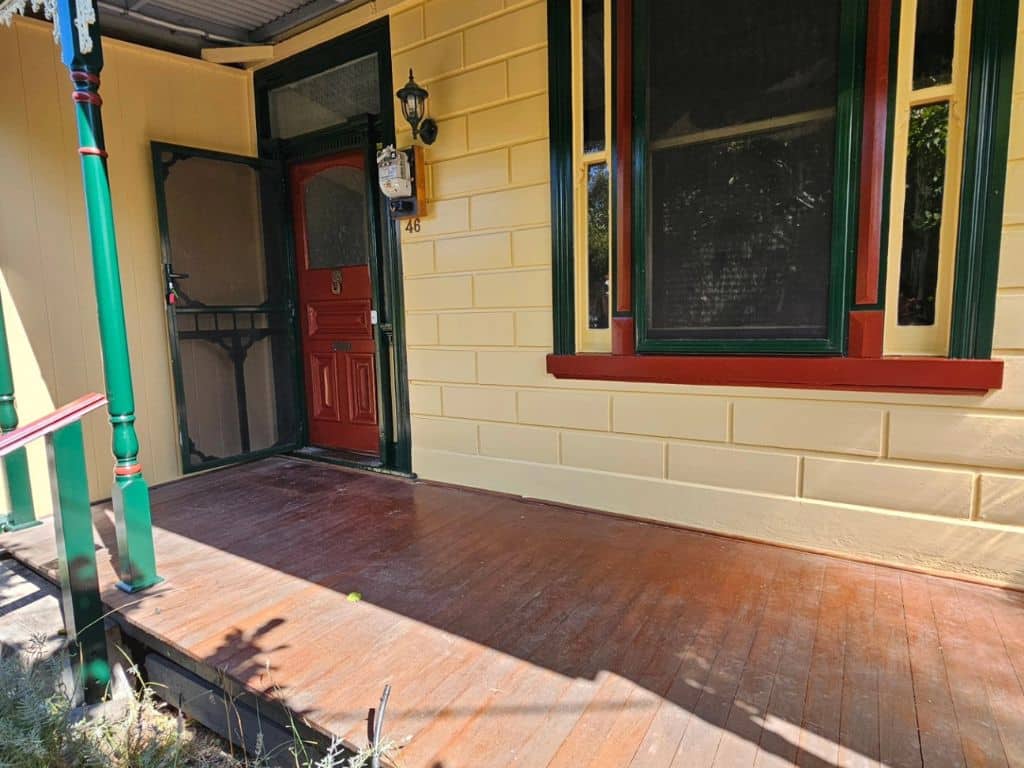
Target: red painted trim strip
x: 872, y: 180
x: 902, y: 374
x: 866, y: 331
x: 92, y: 151
x: 623, y: 336
x: 623, y: 157
x: 47, y: 425
x: 87, y: 97
x: 134, y: 469
x: 81, y: 76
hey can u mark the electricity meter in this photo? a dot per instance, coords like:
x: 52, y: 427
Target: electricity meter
x: 399, y: 173
x: 394, y: 173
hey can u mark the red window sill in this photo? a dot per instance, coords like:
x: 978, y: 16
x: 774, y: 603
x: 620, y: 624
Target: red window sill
x: 893, y: 374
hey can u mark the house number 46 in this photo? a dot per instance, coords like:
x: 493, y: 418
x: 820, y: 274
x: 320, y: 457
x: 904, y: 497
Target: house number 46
x: 412, y: 225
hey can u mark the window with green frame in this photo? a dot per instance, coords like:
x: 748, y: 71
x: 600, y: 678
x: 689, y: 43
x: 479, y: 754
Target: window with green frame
x: 743, y: 156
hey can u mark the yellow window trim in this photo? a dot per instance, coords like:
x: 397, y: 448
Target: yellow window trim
x: 931, y: 340
x: 589, y: 339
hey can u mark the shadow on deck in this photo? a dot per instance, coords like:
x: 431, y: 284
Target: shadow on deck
x: 515, y: 632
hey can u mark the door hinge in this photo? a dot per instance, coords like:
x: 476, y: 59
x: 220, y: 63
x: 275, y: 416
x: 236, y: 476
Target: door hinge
x: 373, y: 317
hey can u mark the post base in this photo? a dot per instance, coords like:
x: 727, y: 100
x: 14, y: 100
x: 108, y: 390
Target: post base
x: 7, y: 527
x: 135, y: 555
x: 133, y: 588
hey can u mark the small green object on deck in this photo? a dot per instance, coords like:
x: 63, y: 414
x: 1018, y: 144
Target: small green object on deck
x: 355, y: 597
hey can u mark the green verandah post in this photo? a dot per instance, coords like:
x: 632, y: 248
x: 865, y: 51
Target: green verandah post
x: 83, y: 56
x: 80, y: 588
x: 19, y: 486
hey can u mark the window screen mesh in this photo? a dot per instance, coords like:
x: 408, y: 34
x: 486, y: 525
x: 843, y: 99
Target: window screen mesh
x: 325, y: 99
x: 234, y: 355
x: 741, y: 164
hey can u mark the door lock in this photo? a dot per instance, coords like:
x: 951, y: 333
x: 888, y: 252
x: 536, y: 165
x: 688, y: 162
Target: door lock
x: 172, y: 283
x: 336, y: 282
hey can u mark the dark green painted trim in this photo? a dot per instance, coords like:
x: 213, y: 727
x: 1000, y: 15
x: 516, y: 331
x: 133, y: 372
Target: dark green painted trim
x: 374, y: 37
x: 613, y: 164
x: 396, y: 433
x: 306, y: 454
x: 639, y: 213
x: 563, y: 288
x: 844, y: 235
x: 188, y: 463
x: 989, y: 98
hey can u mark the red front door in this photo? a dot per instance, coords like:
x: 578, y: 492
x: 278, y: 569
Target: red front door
x: 332, y: 251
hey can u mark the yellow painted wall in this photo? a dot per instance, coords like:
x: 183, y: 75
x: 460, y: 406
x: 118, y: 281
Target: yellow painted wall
x: 45, y: 260
x: 929, y: 482
x: 934, y: 482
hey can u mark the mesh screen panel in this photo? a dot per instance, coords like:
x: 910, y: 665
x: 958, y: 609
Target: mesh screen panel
x: 325, y: 99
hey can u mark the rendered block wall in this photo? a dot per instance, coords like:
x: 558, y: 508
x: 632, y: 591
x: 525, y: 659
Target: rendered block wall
x: 933, y: 482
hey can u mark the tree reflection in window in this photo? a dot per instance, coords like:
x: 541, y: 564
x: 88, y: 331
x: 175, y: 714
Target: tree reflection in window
x: 922, y: 217
x: 597, y: 245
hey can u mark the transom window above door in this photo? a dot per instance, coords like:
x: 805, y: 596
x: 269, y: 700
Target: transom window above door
x: 779, y: 178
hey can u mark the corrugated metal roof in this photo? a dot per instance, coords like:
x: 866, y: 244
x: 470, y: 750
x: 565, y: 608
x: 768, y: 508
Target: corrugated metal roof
x: 240, y: 21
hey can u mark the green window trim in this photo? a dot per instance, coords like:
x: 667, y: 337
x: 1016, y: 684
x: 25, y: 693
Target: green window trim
x: 990, y: 94
x: 563, y: 284
x: 986, y: 153
x: 849, y: 105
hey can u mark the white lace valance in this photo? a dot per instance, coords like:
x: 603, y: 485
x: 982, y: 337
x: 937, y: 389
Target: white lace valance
x: 85, y: 15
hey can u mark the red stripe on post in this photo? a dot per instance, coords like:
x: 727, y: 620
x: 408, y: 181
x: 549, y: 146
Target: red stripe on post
x: 872, y: 177
x: 134, y: 469
x: 81, y: 76
x: 87, y: 97
x: 92, y: 151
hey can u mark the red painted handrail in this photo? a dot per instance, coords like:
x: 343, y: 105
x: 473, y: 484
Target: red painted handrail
x: 68, y: 414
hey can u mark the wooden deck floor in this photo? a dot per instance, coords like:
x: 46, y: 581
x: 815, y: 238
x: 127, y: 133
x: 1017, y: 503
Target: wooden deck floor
x: 516, y: 633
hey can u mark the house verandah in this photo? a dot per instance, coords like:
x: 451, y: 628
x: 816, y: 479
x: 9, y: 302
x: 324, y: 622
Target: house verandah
x: 512, y: 338
x: 515, y: 632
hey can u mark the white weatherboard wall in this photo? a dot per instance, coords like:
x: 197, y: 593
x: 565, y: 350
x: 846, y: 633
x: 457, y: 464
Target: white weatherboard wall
x: 931, y: 482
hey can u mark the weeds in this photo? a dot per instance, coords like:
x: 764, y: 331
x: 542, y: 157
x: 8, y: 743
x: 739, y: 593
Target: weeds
x: 40, y: 728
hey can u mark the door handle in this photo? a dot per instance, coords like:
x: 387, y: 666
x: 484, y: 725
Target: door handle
x: 172, y: 275
x: 172, y: 278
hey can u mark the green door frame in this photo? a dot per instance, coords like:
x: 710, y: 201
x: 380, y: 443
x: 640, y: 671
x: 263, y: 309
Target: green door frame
x: 370, y: 132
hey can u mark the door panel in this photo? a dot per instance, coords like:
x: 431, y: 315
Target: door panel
x: 331, y: 218
x: 362, y: 397
x: 339, y: 318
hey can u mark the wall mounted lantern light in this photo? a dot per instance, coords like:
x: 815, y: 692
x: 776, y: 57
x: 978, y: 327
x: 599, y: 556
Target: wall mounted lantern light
x: 413, y: 98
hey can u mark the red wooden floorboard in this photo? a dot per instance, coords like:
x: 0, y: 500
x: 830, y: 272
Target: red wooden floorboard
x: 516, y: 633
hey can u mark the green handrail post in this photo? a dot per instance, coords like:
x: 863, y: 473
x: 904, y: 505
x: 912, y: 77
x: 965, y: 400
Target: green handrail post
x: 130, y: 494
x: 76, y: 555
x: 19, y: 485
